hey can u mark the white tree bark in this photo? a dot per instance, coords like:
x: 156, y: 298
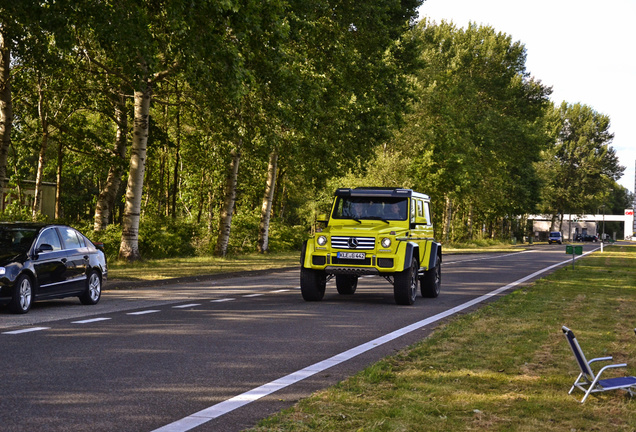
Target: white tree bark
x: 106, y: 200
x: 266, y: 208
x: 225, y: 221
x: 37, y: 201
x: 129, y: 248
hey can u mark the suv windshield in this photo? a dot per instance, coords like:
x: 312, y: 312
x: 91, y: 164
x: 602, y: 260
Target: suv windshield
x: 370, y: 208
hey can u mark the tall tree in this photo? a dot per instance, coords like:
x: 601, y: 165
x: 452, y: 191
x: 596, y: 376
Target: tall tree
x: 580, y: 166
x: 475, y: 128
x: 6, y: 105
x: 143, y: 44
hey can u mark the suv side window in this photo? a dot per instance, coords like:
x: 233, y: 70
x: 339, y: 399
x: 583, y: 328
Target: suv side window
x: 427, y: 213
x: 50, y: 237
x: 413, y: 211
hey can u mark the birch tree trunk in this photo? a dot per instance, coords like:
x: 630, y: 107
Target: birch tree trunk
x: 37, y: 201
x: 106, y: 200
x: 6, y: 107
x: 266, y: 209
x: 225, y: 220
x: 448, y: 217
x: 129, y: 248
x: 58, y: 181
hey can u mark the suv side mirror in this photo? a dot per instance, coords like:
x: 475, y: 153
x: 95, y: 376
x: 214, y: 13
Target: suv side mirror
x: 322, y: 218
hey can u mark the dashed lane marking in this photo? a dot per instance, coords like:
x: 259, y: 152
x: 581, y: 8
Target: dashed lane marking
x: 144, y: 312
x: 92, y: 320
x: 28, y: 330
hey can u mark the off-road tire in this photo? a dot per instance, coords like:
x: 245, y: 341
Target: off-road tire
x: 312, y: 284
x: 431, y: 282
x: 346, y: 284
x: 405, y: 284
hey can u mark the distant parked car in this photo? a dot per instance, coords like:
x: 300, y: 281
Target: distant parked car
x: 45, y: 261
x: 555, y: 237
x: 586, y: 238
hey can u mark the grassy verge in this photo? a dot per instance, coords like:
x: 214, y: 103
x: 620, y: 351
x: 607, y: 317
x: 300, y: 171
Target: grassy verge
x: 161, y: 269
x: 506, y: 367
x: 158, y: 269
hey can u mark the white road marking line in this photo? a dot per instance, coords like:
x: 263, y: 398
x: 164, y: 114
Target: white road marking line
x: 280, y: 290
x: 253, y: 295
x: 143, y: 312
x: 486, y: 257
x: 92, y: 320
x: 186, y: 305
x: 222, y: 300
x: 28, y: 330
x: 214, y: 411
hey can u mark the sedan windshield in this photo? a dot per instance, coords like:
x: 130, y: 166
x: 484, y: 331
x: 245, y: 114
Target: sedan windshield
x: 16, y: 239
x: 370, y: 208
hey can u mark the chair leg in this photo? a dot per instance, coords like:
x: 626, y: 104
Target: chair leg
x: 587, y: 393
x: 575, y: 383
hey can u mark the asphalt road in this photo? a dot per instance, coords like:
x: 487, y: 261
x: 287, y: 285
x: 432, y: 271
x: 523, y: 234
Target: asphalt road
x: 221, y: 354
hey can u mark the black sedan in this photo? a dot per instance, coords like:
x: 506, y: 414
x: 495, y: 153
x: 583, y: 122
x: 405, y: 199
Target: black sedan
x: 45, y: 261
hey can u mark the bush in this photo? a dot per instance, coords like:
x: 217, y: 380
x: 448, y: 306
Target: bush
x: 161, y: 237
x: 158, y: 238
x: 283, y: 238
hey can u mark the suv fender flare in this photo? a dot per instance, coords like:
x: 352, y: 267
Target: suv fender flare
x: 436, y: 255
x: 303, y: 251
x: 411, y: 250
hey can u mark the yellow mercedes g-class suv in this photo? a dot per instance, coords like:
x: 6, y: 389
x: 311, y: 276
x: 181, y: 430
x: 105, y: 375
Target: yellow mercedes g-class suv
x: 374, y: 231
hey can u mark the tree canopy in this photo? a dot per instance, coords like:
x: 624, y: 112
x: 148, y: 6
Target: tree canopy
x: 229, y: 123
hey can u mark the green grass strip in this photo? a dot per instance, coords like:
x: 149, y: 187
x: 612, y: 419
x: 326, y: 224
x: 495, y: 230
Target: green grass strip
x: 162, y: 269
x: 505, y: 367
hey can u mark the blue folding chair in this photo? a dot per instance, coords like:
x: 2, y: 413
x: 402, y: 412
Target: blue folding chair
x: 590, y: 383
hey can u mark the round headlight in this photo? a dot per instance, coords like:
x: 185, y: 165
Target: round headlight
x: 322, y: 240
x: 386, y: 242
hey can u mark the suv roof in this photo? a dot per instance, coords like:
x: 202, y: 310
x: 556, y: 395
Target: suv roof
x: 379, y: 192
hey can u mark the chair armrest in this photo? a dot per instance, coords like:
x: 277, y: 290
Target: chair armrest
x: 614, y: 366
x: 599, y: 359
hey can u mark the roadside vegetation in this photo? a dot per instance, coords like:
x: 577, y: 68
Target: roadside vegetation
x: 167, y: 135
x: 168, y: 268
x: 162, y: 268
x: 505, y: 367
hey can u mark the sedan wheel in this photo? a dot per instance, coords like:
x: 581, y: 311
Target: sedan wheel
x: 93, y: 291
x: 22, y: 295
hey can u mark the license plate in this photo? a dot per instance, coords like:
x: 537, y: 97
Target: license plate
x: 352, y: 255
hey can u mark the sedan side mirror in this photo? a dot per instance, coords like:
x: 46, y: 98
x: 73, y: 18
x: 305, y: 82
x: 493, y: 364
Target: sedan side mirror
x: 44, y: 247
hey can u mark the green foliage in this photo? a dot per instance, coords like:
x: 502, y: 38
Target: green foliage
x: 15, y: 212
x: 110, y: 237
x: 579, y: 168
x: 166, y: 237
x: 326, y: 84
x: 284, y: 237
